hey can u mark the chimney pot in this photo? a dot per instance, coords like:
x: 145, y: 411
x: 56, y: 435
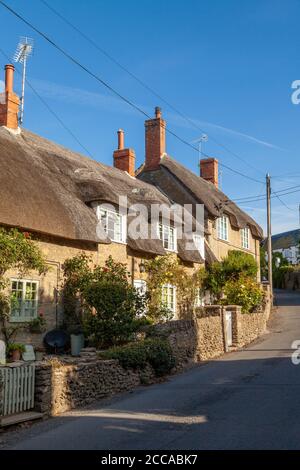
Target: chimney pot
x: 120, y: 139
x: 158, y: 112
x: 124, y: 159
x: 9, y: 78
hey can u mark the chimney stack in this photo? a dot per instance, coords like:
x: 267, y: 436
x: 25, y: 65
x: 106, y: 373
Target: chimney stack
x: 155, y: 137
x: 209, y: 170
x: 124, y: 159
x: 9, y: 101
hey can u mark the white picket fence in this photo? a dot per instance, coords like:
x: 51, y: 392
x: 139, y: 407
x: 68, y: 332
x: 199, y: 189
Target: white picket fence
x: 18, y: 389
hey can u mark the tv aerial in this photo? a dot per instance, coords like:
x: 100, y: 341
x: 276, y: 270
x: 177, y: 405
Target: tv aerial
x: 23, y: 52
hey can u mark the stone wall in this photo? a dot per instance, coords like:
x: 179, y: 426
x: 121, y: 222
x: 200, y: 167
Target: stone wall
x: 183, y: 338
x: 61, y: 387
x: 210, y: 328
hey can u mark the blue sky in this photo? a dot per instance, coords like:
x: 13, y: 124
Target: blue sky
x: 226, y: 64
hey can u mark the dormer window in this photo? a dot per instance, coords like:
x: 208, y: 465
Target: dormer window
x: 113, y: 223
x: 222, y: 226
x: 167, y: 235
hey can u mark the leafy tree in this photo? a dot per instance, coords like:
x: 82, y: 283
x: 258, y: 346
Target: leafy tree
x: 19, y: 253
x: 244, y: 292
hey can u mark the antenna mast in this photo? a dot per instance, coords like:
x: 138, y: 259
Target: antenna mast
x: 23, y: 52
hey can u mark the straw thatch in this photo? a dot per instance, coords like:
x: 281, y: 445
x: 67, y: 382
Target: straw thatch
x: 48, y: 189
x: 184, y: 186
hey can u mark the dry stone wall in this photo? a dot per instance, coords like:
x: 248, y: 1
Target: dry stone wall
x: 79, y: 382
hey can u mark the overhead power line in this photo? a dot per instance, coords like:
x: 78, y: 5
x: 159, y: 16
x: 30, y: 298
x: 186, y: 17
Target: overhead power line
x: 260, y: 195
x: 110, y: 88
x: 142, y: 83
x: 262, y: 198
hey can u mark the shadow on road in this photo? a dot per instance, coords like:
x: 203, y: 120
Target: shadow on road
x: 286, y: 298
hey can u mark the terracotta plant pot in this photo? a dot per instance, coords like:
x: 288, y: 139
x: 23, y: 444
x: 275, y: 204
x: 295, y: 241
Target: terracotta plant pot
x: 16, y: 355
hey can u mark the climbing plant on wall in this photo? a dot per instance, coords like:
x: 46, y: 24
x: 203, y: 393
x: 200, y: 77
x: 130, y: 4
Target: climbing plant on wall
x: 168, y: 270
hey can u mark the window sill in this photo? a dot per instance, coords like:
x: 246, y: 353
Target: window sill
x: 22, y: 320
x: 118, y: 242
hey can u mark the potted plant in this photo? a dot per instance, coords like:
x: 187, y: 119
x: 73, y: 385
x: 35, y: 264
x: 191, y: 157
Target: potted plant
x: 14, y: 350
x: 38, y: 324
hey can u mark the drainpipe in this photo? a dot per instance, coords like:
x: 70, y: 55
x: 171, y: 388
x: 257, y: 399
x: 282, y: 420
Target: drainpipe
x: 57, y: 264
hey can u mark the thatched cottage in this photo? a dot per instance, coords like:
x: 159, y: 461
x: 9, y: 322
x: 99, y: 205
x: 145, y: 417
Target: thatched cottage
x: 56, y: 194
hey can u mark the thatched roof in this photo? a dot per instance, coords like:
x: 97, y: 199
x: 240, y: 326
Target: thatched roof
x: 48, y: 189
x: 201, y: 191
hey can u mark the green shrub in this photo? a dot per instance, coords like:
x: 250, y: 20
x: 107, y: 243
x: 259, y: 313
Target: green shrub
x: 236, y: 265
x: 156, y: 352
x: 244, y: 292
x: 111, y: 311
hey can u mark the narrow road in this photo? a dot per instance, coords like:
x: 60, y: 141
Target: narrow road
x: 245, y: 400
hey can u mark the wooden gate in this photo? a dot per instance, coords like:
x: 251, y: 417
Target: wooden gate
x: 17, y: 389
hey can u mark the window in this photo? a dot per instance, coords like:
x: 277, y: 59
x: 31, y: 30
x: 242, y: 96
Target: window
x: 168, y: 236
x: 169, y: 297
x: 140, y: 285
x: 245, y: 238
x: 199, y: 243
x: 199, y: 300
x: 24, y: 300
x: 223, y: 228
x: 114, y: 224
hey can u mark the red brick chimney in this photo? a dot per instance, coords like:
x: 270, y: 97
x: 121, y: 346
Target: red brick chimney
x: 155, y: 140
x: 124, y: 159
x: 209, y: 170
x: 9, y: 101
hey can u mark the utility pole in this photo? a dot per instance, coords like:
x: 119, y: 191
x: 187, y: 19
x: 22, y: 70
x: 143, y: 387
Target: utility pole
x: 269, y: 235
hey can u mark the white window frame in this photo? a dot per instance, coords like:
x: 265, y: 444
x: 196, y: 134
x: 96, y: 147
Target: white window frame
x: 169, y: 242
x: 117, y: 237
x: 170, y: 304
x: 245, y: 238
x: 22, y: 318
x: 200, y: 297
x: 222, y: 227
